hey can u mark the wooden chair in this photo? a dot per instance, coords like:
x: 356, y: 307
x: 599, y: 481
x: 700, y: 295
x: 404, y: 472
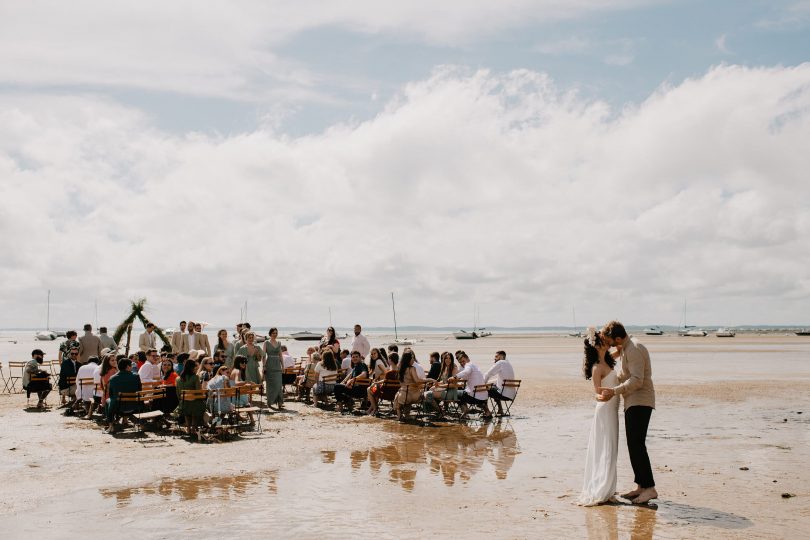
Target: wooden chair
x: 478, y: 406
x: 54, y: 367
x: 506, y: 403
x: 3, y: 379
x: 327, y: 380
x: 12, y: 367
x: 388, y: 392
x: 35, y: 378
x: 146, y: 410
x: 412, y: 390
x: 288, y: 378
x: 249, y: 390
x: 452, y: 402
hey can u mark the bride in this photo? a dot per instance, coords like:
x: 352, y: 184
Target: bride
x: 599, y: 484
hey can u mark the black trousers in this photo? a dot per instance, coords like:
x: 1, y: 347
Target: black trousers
x: 636, y: 422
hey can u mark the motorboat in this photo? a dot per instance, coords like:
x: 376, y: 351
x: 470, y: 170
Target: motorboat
x: 684, y: 330
x: 805, y: 332
x: 725, y: 332
x: 654, y: 331
x: 696, y: 332
x: 45, y: 335
x: 463, y: 334
x: 401, y: 341
x: 484, y: 332
x: 306, y: 335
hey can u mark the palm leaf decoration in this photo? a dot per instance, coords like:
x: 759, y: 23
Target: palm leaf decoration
x: 138, y: 311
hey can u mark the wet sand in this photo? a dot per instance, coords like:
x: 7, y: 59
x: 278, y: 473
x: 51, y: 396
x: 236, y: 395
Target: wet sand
x: 723, y: 405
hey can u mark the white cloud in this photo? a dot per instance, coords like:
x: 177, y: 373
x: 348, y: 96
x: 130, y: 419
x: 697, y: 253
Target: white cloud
x: 721, y: 45
x: 469, y: 187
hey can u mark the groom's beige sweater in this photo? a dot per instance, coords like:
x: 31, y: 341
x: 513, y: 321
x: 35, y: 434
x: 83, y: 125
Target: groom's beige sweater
x: 636, y: 386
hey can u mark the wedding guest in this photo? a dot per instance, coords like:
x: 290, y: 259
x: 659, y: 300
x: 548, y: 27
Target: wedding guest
x: 273, y: 366
x: 287, y: 359
x: 440, y: 392
x: 435, y: 366
x: 202, y: 339
x: 168, y: 379
x: 217, y: 404
x: 148, y: 339
x: 68, y: 369
x: 305, y: 381
x: 375, y: 389
x: 219, y: 360
x: 410, y: 384
x: 225, y: 347
x: 179, y: 360
x: 192, y: 337
x: 325, y: 368
x: 191, y: 409
x: 330, y: 340
x: 238, y: 374
x: 359, y: 342
x: 393, y: 348
x: 107, y: 342
x: 41, y: 387
x: 140, y: 359
x: 109, y: 367
x: 206, y: 371
x: 501, y: 370
x: 345, y: 391
x: 474, y: 377
x: 378, y: 365
x: 150, y: 370
x: 254, y: 356
x: 69, y: 343
x: 345, y: 359
x: 180, y: 339
x: 123, y: 381
x: 89, y: 345
x: 85, y: 393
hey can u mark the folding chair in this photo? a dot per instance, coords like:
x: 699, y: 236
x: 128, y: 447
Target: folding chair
x: 288, y: 378
x: 506, y: 402
x: 54, y: 367
x: 146, y: 411
x: 248, y: 390
x: 412, y: 390
x: 127, y: 405
x: 328, y: 380
x: 452, y: 401
x: 38, y: 379
x: 479, y: 404
x: 80, y: 385
x: 3, y: 379
x: 388, y: 393
x: 13, y: 366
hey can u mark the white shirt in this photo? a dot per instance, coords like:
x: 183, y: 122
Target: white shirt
x: 85, y: 392
x: 97, y: 380
x: 346, y: 363
x: 361, y: 345
x: 501, y: 370
x: 287, y: 360
x: 192, y: 342
x: 419, y: 370
x: 474, y: 378
x: 323, y: 372
x: 149, y: 372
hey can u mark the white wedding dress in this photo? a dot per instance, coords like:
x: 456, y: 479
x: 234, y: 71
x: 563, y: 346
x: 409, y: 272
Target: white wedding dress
x: 599, y: 484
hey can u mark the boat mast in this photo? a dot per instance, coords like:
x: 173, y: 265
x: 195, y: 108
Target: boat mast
x: 48, y: 315
x: 330, y: 315
x: 394, y: 308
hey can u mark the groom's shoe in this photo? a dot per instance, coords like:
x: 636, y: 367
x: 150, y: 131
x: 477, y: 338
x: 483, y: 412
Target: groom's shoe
x: 646, y: 496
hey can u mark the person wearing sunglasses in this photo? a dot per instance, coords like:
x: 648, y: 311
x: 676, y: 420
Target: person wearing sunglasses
x: 68, y: 369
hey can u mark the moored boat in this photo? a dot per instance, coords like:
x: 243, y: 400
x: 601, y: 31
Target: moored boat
x: 306, y: 335
x: 725, y: 332
x: 463, y: 334
x: 805, y: 332
x: 696, y: 332
x: 654, y: 331
x: 45, y: 335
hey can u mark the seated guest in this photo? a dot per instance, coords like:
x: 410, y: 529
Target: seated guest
x: 287, y: 360
x: 85, y: 393
x: 345, y: 391
x: 149, y: 371
x: 40, y: 387
x: 141, y: 359
x: 219, y: 360
x: 109, y: 367
x: 325, y: 368
x: 123, y: 381
x: 178, y: 365
x: 345, y: 359
x: 168, y: 379
x: 410, y: 384
x: 206, y: 371
x: 374, y: 390
x: 439, y: 392
x: 217, y: 404
x: 473, y: 376
x: 69, y: 368
x: 500, y: 371
x: 191, y: 409
x: 308, y: 377
x: 393, y: 349
x: 419, y: 369
x: 435, y: 366
x: 238, y: 374
x: 378, y: 364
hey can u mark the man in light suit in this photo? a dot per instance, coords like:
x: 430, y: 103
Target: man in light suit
x: 89, y: 345
x: 148, y: 340
x: 180, y: 339
x: 202, y: 339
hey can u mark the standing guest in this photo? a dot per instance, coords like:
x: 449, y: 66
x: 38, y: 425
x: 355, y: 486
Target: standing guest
x: 238, y: 374
x: 273, y: 366
x: 206, y: 371
x: 69, y: 343
x: 192, y: 337
x: 435, y: 365
x: 191, y: 409
x: 107, y: 342
x: 359, y: 342
x: 85, y: 394
x: 123, y: 381
x: 345, y: 391
x: 254, y: 357
x: 150, y: 370
x: 345, y: 359
x: 225, y: 347
x: 148, y: 339
x: 410, y: 384
x: 501, y: 370
x: 325, y: 368
x: 69, y: 368
x: 374, y: 391
x: 202, y: 339
x: 180, y: 339
x: 41, y: 387
x: 109, y: 367
x: 474, y: 377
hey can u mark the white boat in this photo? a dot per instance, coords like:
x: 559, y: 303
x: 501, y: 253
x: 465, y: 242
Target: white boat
x: 476, y: 331
x: 654, y: 331
x: 696, y: 333
x: 463, y: 334
x: 397, y: 339
x: 306, y: 335
x: 575, y: 333
x: 45, y: 335
x: 725, y: 332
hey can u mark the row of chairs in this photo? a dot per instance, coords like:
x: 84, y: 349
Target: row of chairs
x: 16, y: 371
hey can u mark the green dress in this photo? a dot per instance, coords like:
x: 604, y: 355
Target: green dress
x: 253, y: 371
x: 272, y: 373
x: 190, y: 408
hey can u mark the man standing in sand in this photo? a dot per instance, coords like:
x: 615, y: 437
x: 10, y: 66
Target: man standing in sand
x: 202, y: 339
x: 638, y: 394
x: 89, y: 345
x: 107, y: 342
x: 180, y: 339
x: 147, y: 340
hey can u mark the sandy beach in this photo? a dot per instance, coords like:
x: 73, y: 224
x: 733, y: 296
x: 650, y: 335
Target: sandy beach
x: 730, y: 435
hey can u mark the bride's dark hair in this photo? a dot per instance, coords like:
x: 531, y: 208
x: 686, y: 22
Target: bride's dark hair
x: 592, y: 357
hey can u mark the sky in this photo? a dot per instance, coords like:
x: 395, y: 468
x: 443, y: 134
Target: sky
x: 619, y: 159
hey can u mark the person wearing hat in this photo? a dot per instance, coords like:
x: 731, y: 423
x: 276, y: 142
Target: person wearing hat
x: 41, y: 387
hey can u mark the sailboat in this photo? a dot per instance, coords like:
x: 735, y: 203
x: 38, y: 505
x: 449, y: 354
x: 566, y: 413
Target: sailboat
x: 687, y: 330
x: 575, y: 333
x: 475, y: 334
x: 396, y: 334
x: 47, y: 334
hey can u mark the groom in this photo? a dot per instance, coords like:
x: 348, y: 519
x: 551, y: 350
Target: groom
x: 636, y: 387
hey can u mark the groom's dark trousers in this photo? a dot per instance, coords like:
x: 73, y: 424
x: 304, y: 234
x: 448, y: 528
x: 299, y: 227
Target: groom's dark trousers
x: 636, y: 421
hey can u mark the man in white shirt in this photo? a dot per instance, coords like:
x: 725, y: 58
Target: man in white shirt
x: 345, y: 359
x: 501, y: 370
x: 473, y: 376
x: 85, y: 393
x: 360, y: 343
x: 191, y: 338
x: 150, y: 371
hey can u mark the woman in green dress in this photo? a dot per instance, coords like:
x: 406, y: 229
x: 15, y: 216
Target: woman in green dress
x: 192, y: 410
x: 272, y: 370
x: 254, y: 356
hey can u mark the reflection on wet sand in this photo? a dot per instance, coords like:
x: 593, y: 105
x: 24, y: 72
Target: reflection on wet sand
x: 450, y: 452
x: 189, y: 489
x: 603, y: 522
